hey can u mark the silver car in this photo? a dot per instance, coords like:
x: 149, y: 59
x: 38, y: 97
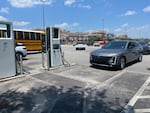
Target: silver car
x: 21, y: 50
x: 117, y: 54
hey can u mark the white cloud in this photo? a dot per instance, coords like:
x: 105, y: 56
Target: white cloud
x: 129, y: 13
x: 67, y: 26
x: 118, y: 30
x: 21, y: 23
x: 122, y: 29
x: 4, y: 10
x: 146, y: 9
x: 3, y: 18
x: 63, y: 25
x: 75, y: 24
x: 125, y: 25
x: 134, y: 31
x: 84, y: 6
x: 69, y: 2
x: 28, y: 3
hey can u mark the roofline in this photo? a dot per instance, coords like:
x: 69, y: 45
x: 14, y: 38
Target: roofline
x: 25, y: 30
x: 5, y: 22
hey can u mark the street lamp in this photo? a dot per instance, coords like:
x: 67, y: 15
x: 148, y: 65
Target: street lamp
x: 43, y: 13
x: 45, y: 41
x: 103, y: 29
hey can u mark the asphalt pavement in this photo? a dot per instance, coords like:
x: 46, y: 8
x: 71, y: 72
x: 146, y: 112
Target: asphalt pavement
x: 76, y: 89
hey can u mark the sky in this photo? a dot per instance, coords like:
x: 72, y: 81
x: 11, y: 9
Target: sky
x: 130, y: 17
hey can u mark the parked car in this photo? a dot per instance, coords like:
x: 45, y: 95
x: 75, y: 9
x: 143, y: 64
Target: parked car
x: 102, y: 42
x: 21, y: 50
x: 90, y: 43
x: 80, y: 46
x: 146, y: 48
x: 96, y: 44
x: 117, y: 54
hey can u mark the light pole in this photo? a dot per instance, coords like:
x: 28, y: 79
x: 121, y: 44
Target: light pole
x: 43, y: 13
x: 45, y: 41
x: 103, y: 29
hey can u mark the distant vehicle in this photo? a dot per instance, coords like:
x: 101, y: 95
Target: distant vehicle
x: 74, y: 43
x: 21, y: 50
x: 146, y: 48
x: 96, y: 44
x: 102, y: 42
x: 117, y: 54
x: 80, y: 46
x: 90, y: 43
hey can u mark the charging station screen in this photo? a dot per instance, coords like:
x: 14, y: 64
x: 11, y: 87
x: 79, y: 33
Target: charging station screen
x: 56, y: 46
x: 55, y: 32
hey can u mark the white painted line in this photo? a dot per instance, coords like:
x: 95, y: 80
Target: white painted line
x: 139, y: 92
x: 78, y: 78
x: 107, y: 82
x: 147, y: 88
x: 11, y: 78
x: 42, y: 81
x: 137, y: 72
x: 144, y: 97
x: 142, y: 110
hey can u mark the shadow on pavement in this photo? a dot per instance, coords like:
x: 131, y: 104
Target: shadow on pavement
x: 50, y: 99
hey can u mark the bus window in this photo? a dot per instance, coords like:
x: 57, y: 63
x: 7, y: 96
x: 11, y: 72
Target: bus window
x: 37, y: 36
x: 4, y: 33
x: 26, y: 35
x: 15, y: 35
x: 0, y: 33
x: 5, y: 30
x: 32, y: 36
x: 20, y: 35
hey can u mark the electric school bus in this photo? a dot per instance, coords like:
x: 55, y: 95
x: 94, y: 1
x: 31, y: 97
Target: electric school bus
x: 7, y: 51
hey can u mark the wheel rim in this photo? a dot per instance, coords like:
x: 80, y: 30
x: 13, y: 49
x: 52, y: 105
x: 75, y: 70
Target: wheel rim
x: 122, y: 63
x: 140, y: 58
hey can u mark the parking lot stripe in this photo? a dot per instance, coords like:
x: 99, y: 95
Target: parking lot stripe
x: 109, y: 80
x: 138, y: 72
x: 139, y: 93
x: 148, y: 88
x: 143, y: 97
x: 79, y: 79
x: 142, y: 110
x: 42, y: 81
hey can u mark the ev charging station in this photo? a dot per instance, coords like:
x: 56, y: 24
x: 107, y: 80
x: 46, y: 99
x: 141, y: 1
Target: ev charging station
x: 7, y: 51
x: 54, y: 57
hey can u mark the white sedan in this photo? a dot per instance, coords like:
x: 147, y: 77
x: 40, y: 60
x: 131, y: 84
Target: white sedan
x: 80, y: 46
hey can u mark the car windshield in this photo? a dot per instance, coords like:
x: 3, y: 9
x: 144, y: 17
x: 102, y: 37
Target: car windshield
x: 115, y: 45
x: 143, y: 43
x: 80, y: 43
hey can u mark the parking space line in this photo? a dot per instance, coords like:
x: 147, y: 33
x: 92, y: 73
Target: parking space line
x: 109, y: 80
x: 142, y: 110
x: 143, y: 97
x: 42, y: 81
x: 147, y: 88
x: 78, y: 78
x: 138, y: 72
x: 138, y: 94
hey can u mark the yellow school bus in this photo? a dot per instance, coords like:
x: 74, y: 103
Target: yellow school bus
x: 32, y: 39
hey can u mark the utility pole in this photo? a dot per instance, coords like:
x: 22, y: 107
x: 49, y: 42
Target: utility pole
x: 45, y: 41
x: 103, y: 29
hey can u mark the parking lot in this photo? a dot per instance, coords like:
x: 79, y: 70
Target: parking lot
x: 78, y: 88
